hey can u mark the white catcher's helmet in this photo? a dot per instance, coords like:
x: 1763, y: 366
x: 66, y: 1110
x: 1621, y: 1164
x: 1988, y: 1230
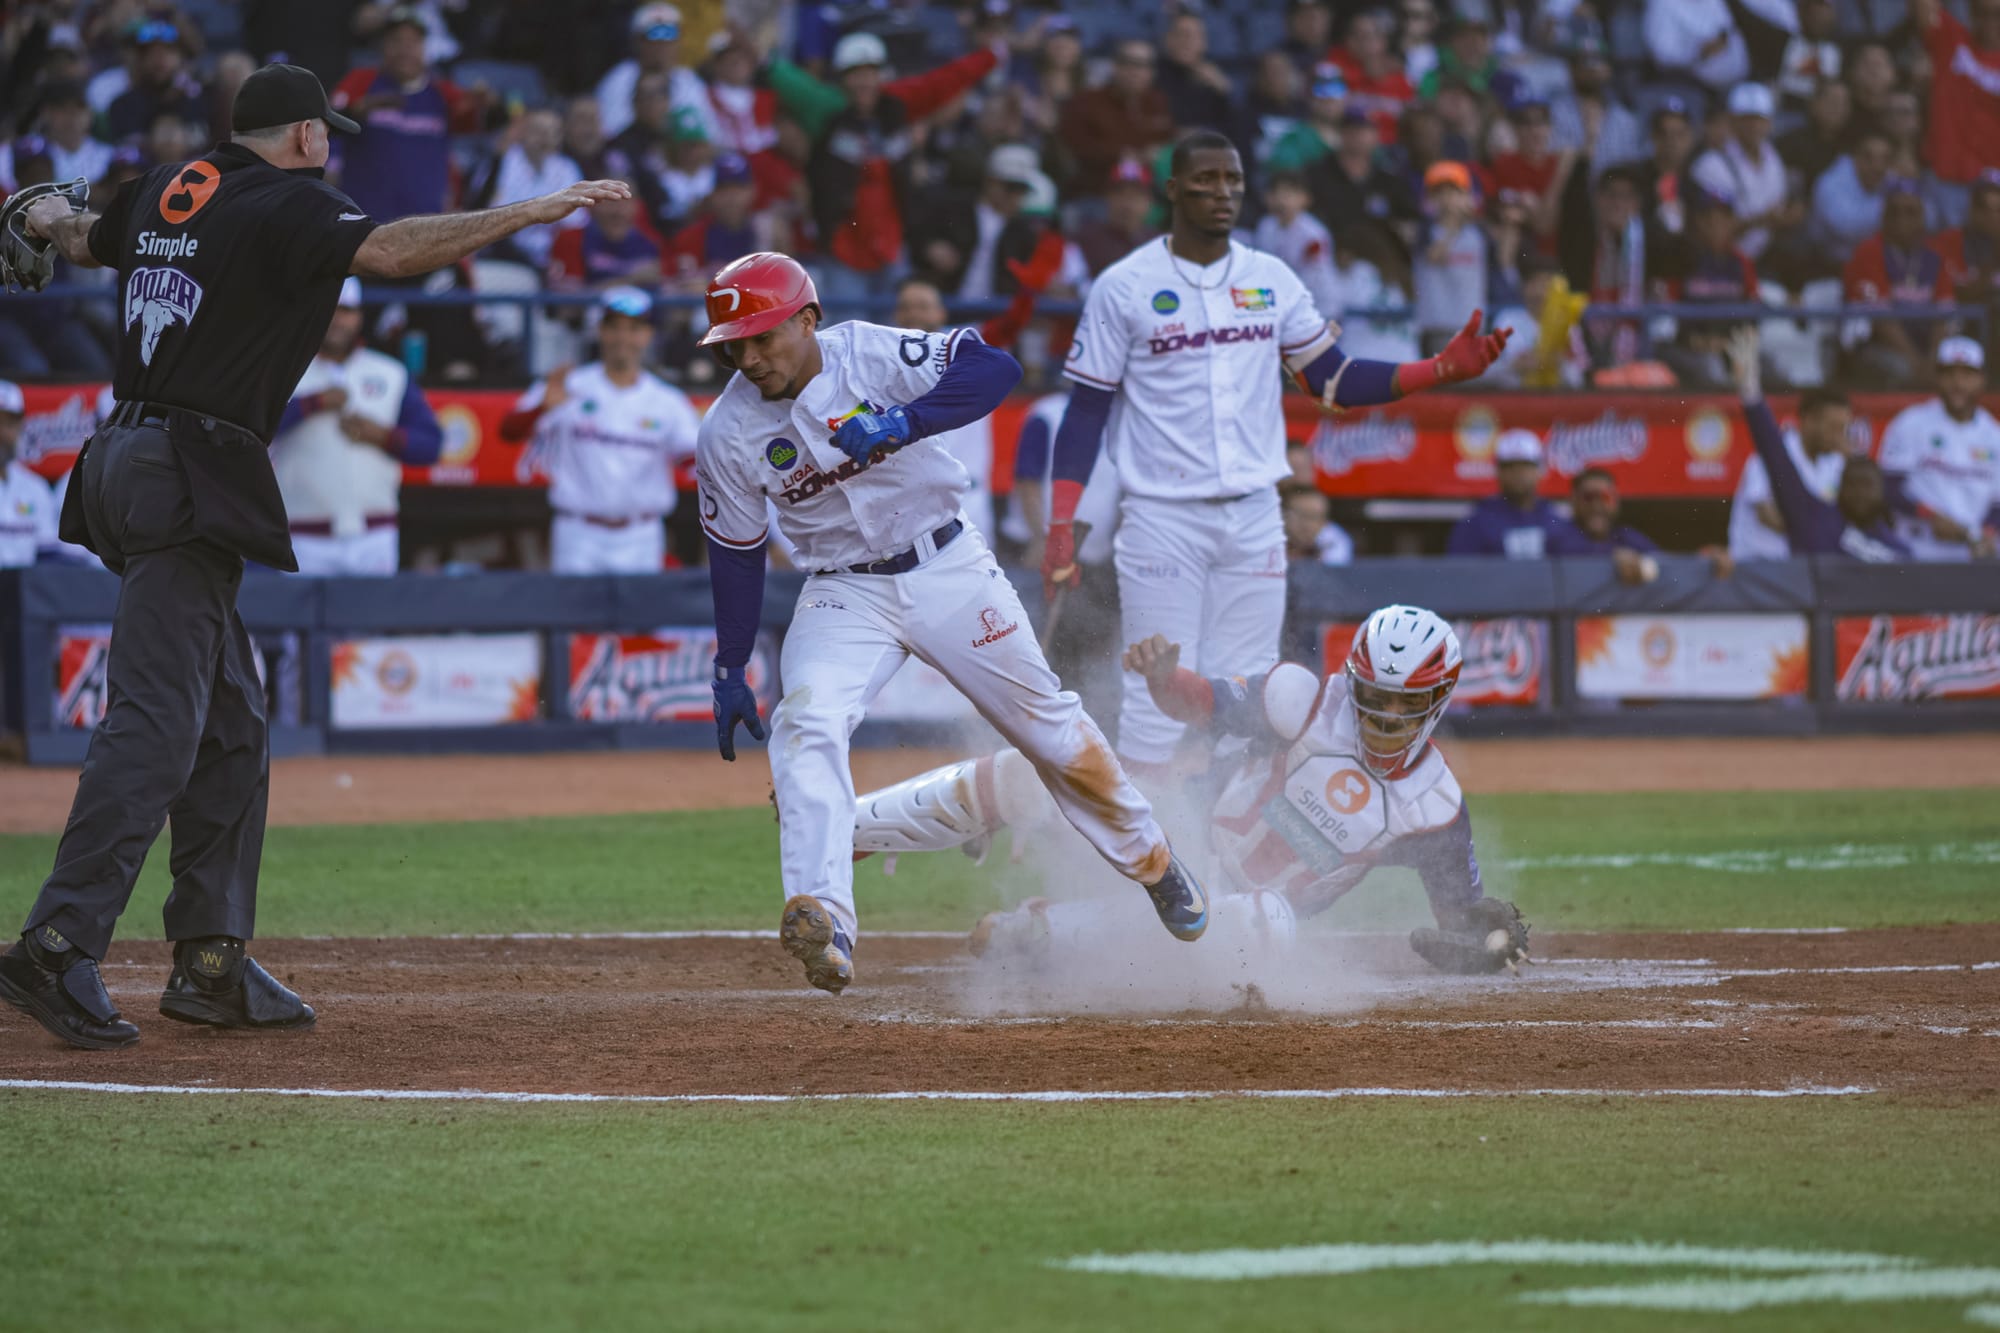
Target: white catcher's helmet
x: 1402, y: 670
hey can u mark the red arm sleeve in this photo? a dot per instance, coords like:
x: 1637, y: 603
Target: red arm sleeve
x: 1184, y: 697
x: 464, y: 114
x: 518, y: 425
x: 352, y: 88
x: 922, y: 94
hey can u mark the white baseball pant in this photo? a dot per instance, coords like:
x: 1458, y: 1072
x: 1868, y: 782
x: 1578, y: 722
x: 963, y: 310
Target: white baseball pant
x: 373, y: 553
x: 957, y: 611
x: 578, y: 546
x: 1210, y: 575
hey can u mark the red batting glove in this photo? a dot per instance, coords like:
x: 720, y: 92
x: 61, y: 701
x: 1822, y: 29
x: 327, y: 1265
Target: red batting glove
x: 1466, y: 357
x: 1059, y: 565
x: 1041, y: 267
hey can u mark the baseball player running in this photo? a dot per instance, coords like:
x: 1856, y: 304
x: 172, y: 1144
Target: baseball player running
x: 1338, y: 777
x: 609, y: 434
x: 837, y: 428
x: 1176, y: 355
x: 1942, y: 461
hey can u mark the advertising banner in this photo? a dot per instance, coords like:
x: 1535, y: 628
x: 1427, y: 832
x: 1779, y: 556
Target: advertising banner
x: 661, y: 676
x: 1910, y: 659
x: 1505, y: 659
x: 437, y: 680
x: 1691, y: 657
x: 82, y: 653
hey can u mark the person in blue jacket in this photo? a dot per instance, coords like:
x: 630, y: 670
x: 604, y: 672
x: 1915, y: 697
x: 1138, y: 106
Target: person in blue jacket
x: 1517, y: 523
x: 1857, y: 522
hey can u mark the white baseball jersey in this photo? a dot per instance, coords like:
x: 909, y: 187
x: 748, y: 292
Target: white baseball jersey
x: 27, y: 516
x: 325, y: 476
x: 1196, y: 353
x: 1952, y: 467
x: 1749, y: 539
x: 972, y: 446
x: 610, y: 451
x: 836, y: 512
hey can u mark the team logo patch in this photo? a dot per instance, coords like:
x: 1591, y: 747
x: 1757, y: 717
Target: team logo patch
x: 186, y: 193
x: 995, y: 626
x: 155, y: 300
x: 781, y: 453
x: 1166, y: 302
x: 1253, y: 298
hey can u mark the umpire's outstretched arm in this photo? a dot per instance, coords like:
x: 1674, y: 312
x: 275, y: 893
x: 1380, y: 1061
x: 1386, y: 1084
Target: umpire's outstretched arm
x: 410, y: 246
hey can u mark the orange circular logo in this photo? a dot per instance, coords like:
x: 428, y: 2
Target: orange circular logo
x: 1347, y: 791
x: 186, y: 193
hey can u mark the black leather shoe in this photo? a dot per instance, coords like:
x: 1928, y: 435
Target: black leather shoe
x: 216, y: 984
x: 60, y: 989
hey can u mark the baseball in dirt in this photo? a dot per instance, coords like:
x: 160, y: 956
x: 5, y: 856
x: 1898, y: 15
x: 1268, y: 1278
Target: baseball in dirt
x: 343, y: 780
x: 1496, y: 941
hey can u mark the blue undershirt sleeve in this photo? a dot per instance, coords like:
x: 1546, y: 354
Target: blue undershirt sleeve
x: 978, y: 380
x: 1081, y: 433
x: 423, y: 438
x: 1032, y: 450
x: 736, y: 583
x: 1363, y: 384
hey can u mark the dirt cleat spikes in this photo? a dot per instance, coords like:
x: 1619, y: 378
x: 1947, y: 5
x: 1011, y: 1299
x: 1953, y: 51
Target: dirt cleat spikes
x: 807, y: 931
x: 1181, y: 902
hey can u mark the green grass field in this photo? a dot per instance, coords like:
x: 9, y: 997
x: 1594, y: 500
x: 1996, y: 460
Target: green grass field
x: 225, y: 1212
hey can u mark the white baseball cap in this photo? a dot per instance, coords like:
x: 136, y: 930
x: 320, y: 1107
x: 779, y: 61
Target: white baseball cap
x: 1752, y: 99
x: 1517, y: 446
x: 1014, y: 162
x: 651, y: 22
x: 350, y: 294
x: 858, y: 49
x: 12, y: 399
x: 1961, y: 351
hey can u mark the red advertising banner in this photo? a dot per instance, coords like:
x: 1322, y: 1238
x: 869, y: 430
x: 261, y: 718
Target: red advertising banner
x: 658, y: 677
x: 83, y: 655
x: 1504, y: 659
x: 1910, y: 659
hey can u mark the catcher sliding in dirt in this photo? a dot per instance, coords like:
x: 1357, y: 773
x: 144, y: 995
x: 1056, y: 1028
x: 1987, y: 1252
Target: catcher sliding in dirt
x: 1325, y: 781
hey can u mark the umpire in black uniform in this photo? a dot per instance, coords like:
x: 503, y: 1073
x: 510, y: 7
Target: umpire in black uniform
x: 229, y: 268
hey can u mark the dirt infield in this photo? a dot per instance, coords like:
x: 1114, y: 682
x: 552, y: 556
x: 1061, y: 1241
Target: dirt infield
x: 364, y: 790
x: 1909, y: 1011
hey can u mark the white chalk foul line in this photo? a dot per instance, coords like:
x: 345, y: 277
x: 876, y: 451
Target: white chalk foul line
x: 1751, y: 861
x: 1986, y: 1316
x: 1728, y: 1295
x: 1339, y: 1260
x: 976, y: 1095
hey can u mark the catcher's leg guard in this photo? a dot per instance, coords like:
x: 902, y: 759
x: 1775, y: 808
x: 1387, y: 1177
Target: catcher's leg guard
x: 950, y: 806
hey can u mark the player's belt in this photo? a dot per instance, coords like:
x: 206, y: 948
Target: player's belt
x: 908, y: 560
x: 323, y: 527
x: 162, y: 415
x: 612, y: 521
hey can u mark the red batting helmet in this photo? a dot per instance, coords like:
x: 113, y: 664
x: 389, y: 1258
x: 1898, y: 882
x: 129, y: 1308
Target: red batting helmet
x: 756, y: 293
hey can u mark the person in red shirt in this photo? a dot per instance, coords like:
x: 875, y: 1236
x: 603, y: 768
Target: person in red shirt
x: 1376, y: 81
x: 614, y: 248
x: 1125, y: 116
x: 1534, y: 169
x: 1965, y: 100
x: 1897, y: 266
x: 1972, y: 252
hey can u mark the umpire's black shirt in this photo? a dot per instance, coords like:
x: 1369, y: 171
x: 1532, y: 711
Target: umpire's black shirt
x: 228, y: 270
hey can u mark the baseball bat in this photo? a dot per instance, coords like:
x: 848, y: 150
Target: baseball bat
x: 1061, y: 597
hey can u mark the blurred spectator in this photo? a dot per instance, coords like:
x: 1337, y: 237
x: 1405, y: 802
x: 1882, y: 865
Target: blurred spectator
x: 65, y: 126
x: 639, y: 152
x: 27, y: 506
x: 1594, y: 528
x: 160, y: 82
x: 1467, y: 56
x: 1527, y: 358
x: 963, y: 243
x: 231, y: 69
x: 1374, y: 313
x: 1376, y: 80
x: 1812, y: 55
x: 1050, y: 74
x: 1662, y: 179
x: 614, y: 247
x: 1419, y: 146
x: 1965, y: 99
x: 1294, y: 235
x: 1903, y: 121
x: 1416, y: 31
x: 1517, y: 523
x: 1126, y: 224
x: 1713, y: 271
x: 920, y: 306
x: 1871, y: 79
x: 1277, y: 101
x: 1463, y: 113
x: 1451, y: 258
x: 1535, y: 170
x: 1125, y: 115
x: 1748, y: 172
x: 656, y: 49
x: 1697, y: 39
x: 1592, y: 120
x: 724, y: 229
x: 1972, y: 252
x: 689, y: 176
x: 355, y: 419
x: 1818, y: 451
x: 1847, y: 199
x: 1611, y: 266
x: 318, y: 35
x: 1199, y: 95
x: 1308, y: 34
x: 400, y: 163
x: 1942, y: 460
x: 170, y: 137
x: 583, y: 139
x: 530, y: 164
x: 1314, y: 137
x: 745, y: 116
x: 1897, y: 266
x: 1352, y: 188
x: 1817, y: 144
x: 1310, y: 532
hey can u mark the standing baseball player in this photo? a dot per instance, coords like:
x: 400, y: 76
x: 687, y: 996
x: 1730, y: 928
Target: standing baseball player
x: 228, y: 269
x: 837, y: 428
x: 355, y: 419
x: 1941, y: 459
x: 1335, y: 778
x: 1178, y: 354
x: 27, y: 505
x: 608, y: 435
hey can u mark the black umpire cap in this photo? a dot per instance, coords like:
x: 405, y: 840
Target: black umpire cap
x: 284, y: 95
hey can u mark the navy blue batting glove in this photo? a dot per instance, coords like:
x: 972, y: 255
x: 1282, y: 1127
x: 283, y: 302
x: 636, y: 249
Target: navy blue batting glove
x: 734, y: 703
x: 860, y: 436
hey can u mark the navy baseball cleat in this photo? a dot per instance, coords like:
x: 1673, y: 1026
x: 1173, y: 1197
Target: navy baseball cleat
x: 215, y: 984
x: 46, y: 978
x: 1180, y: 900
x: 808, y: 933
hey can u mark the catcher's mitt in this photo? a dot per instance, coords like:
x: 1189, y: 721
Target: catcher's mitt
x: 27, y: 262
x: 1488, y: 936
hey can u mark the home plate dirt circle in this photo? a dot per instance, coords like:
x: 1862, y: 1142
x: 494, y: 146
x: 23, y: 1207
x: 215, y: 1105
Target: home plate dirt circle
x: 1909, y: 1011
